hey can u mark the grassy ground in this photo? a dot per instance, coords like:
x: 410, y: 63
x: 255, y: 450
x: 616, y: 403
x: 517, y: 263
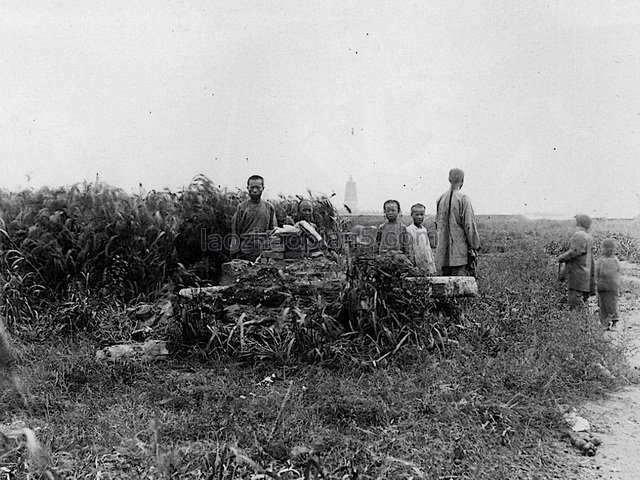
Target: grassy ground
x: 486, y: 406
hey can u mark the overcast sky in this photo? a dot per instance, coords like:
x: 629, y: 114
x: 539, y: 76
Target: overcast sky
x: 539, y: 102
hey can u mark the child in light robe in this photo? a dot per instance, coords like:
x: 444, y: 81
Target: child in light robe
x: 422, y: 254
x: 608, y: 284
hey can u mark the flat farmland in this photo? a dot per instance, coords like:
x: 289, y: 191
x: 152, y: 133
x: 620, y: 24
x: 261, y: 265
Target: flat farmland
x: 468, y: 392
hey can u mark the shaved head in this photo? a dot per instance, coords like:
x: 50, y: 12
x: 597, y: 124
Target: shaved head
x: 583, y: 221
x: 456, y: 175
x: 609, y: 244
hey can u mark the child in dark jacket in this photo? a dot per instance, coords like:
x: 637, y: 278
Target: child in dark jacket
x: 608, y: 284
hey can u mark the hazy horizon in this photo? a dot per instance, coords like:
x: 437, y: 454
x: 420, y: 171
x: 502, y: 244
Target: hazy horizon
x: 338, y: 202
x: 537, y: 102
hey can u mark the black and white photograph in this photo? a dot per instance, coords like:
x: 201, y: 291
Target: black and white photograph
x: 339, y: 240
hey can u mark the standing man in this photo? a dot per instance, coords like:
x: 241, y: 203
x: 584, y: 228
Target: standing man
x: 579, y: 270
x: 458, y: 239
x: 253, y: 215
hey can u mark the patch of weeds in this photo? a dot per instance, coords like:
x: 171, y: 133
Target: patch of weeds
x: 484, y: 406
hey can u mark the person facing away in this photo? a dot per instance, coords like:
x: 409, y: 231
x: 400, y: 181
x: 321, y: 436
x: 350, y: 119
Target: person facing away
x: 579, y: 266
x: 458, y: 237
x: 392, y: 235
x: 422, y: 254
x: 608, y: 284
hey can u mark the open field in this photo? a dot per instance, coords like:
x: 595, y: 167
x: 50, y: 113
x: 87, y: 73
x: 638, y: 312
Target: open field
x: 487, y: 403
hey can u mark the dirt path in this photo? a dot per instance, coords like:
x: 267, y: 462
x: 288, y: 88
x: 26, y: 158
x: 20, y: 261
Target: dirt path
x: 616, y: 420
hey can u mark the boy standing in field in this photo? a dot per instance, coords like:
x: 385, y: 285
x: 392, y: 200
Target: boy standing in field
x: 608, y: 284
x: 392, y: 235
x: 422, y: 254
x: 580, y: 269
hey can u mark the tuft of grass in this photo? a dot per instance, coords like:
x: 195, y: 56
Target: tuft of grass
x: 424, y: 417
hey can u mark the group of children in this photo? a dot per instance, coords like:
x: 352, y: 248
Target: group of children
x: 412, y: 241
x: 585, y: 277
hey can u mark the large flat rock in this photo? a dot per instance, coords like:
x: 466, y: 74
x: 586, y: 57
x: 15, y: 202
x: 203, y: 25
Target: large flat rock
x: 445, y: 287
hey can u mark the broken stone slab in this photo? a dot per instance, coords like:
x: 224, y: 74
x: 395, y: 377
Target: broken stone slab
x: 203, y: 291
x: 148, y: 351
x: 293, y: 282
x: 576, y: 422
x: 440, y: 287
x: 445, y: 287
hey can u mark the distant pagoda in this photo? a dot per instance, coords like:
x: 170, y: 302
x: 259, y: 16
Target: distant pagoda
x: 351, y: 195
